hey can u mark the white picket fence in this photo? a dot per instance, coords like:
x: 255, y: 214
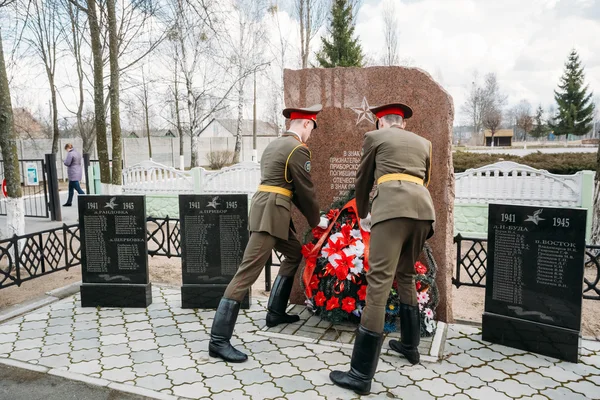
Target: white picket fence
x: 149, y: 177
x: 508, y: 182
x: 152, y: 178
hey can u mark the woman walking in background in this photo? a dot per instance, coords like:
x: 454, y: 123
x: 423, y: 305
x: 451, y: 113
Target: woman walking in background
x: 74, y: 171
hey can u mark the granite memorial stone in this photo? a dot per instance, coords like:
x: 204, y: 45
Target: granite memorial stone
x: 214, y: 234
x: 346, y: 94
x: 114, y: 251
x: 534, y: 279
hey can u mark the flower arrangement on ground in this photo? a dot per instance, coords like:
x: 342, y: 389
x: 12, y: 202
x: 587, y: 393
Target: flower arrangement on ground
x: 334, y: 276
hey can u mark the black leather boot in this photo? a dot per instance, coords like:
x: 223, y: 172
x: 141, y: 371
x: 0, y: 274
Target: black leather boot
x: 222, y: 330
x: 410, y: 328
x: 278, y: 301
x: 363, y: 365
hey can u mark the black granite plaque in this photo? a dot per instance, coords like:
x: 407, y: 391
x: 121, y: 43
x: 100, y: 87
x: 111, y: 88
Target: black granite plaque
x: 114, y: 251
x: 534, y: 279
x: 214, y: 234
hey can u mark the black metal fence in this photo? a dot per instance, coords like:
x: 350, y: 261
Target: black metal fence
x: 34, y: 185
x: 26, y: 257
x: 29, y: 256
x: 471, y: 266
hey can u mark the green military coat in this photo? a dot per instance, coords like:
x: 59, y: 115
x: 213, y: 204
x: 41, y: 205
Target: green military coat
x: 285, y: 163
x: 389, y: 151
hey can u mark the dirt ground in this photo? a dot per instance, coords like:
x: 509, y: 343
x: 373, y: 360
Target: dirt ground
x: 468, y: 301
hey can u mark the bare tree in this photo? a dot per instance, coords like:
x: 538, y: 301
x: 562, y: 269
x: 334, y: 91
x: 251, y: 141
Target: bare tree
x: 8, y: 142
x: 248, y: 55
x: 44, y: 35
x: 98, y: 71
x: 390, y: 32
x: 482, y: 99
x: 115, y: 118
x: 492, y: 120
x: 311, y: 15
x: 279, y: 49
x: 193, y: 45
x: 144, y: 98
x: 523, y: 117
x: 75, y: 31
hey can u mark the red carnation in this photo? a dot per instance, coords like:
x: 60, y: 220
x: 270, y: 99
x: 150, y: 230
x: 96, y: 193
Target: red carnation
x: 333, y: 303
x: 318, y: 232
x: 332, y: 214
x: 348, y: 304
x: 320, y: 299
x: 420, y: 268
x: 307, y: 249
x: 362, y: 292
x: 341, y: 272
x: 314, y: 283
x: 418, y: 286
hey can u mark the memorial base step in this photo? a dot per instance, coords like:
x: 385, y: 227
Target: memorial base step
x: 116, y: 295
x: 535, y: 337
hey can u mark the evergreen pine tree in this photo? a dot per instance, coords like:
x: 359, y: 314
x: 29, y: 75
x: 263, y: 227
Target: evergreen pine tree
x: 575, y: 108
x: 540, y: 129
x: 341, y: 49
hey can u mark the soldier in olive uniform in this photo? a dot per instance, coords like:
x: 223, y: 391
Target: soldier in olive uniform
x: 402, y: 220
x: 285, y: 179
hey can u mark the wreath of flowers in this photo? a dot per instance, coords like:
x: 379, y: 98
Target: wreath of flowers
x: 334, y: 275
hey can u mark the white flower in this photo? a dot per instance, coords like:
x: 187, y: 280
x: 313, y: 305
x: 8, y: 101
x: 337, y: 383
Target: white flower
x: 323, y: 223
x: 429, y: 324
x: 357, y: 249
x: 429, y: 313
x: 420, y: 307
x: 334, y: 238
x: 355, y: 233
x: 333, y: 259
x: 358, y: 266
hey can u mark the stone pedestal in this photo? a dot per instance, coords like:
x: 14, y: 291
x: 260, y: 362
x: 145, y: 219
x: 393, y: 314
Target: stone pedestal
x: 214, y: 233
x: 346, y: 94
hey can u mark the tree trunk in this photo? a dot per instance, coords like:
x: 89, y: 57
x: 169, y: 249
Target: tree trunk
x: 115, y: 120
x: 302, y: 33
x: 99, y: 110
x: 55, y: 131
x: 148, y: 129
x: 192, y: 118
x: 15, y: 209
x: 307, y: 34
x: 238, y: 134
x: 195, y: 162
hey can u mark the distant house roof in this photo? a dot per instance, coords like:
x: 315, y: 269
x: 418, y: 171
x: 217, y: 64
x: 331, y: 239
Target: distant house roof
x: 500, y: 133
x: 133, y: 135
x: 263, y: 128
x: 26, y: 126
x: 169, y: 133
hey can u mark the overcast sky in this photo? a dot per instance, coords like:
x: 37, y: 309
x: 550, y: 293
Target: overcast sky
x: 525, y: 42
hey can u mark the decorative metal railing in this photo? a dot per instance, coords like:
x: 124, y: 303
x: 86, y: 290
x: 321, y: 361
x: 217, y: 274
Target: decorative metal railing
x: 27, y: 257
x: 30, y: 256
x: 471, y: 266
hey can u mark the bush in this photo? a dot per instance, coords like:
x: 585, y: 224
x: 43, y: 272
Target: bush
x: 219, y: 159
x: 556, y: 163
